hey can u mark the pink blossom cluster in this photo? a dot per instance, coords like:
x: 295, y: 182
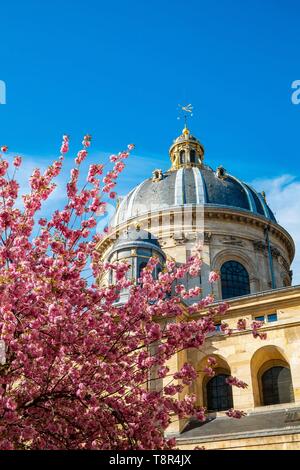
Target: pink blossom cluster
x: 82, y: 370
x: 255, y: 326
x: 234, y: 381
x: 212, y: 361
x: 241, y: 324
x: 235, y: 413
x: 187, y: 374
x: 65, y: 144
x: 213, y: 276
x: 209, y: 371
x: 225, y: 329
x: 211, y: 364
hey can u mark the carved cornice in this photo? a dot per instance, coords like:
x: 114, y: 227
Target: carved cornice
x: 210, y: 212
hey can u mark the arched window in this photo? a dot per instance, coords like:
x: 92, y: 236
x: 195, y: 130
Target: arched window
x: 182, y: 157
x: 234, y: 280
x: 277, y: 386
x: 192, y: 156
x: 219, y: 393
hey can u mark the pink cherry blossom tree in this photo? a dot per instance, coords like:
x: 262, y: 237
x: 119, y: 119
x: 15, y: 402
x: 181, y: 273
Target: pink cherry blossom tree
x: 78, y: 372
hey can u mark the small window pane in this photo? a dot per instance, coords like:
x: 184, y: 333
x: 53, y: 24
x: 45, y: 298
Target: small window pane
x: 219, y: 393
x: 144, y: 252
x: 272, y: 317
x: 260, y: 318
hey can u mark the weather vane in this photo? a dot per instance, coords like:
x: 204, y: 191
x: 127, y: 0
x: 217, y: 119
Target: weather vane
x: 185, y: 112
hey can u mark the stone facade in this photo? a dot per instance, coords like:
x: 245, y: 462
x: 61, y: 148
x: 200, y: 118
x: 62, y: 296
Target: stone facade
x: 243, y: 356
x: 233, y: 223
x: 226, y: 234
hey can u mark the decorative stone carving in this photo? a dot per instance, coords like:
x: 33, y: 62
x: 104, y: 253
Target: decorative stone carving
x: 207, y: 237
x: 259, y: 245
x: 221, y: 172
x: 264, y: 195
x: 275, y: 252
x: 157, y: 175
x: 283, y: 262
x: 190, y: 236
x: 180, y: 241
x: 231, y: 240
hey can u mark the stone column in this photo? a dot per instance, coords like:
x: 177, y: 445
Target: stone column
x: 295, y: 370
x: 254, y: 285
x: 206, y: 268
x: 243, y: 399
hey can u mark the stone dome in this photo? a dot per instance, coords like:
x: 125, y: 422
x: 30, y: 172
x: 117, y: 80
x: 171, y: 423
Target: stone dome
x: 192, y: 201
x: 190, y: 186
x: 190, y: 182
x: 137, y: 237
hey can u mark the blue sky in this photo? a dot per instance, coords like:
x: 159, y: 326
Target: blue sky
x: 119, y: 69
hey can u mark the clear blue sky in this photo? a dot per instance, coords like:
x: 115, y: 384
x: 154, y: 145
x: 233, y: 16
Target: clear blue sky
x: 118, y: 69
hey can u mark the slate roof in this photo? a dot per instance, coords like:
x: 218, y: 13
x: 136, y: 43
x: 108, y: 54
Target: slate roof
x: 254, y: 424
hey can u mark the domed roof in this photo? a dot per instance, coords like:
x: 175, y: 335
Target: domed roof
x: 188, y: 186
x: 136, y: 238
x: 185, y: 136
x: 190, y: 182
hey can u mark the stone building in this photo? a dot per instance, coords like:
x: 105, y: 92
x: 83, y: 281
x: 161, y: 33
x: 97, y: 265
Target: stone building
x: 164, y: 216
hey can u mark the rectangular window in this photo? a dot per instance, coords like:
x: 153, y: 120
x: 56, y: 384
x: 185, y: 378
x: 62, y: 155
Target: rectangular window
x: 272, y: 317
x: 260, y: 318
